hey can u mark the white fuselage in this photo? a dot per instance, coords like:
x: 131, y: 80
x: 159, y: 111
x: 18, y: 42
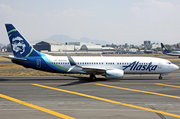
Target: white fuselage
x: 174, y: 53
x: 130, y: 65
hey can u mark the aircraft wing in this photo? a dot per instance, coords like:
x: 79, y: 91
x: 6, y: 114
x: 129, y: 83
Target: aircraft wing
x: 15, y: 58
x: 88, y: 69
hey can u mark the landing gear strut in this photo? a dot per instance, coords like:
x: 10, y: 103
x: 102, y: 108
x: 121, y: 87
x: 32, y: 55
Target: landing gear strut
x: 92, y: 77
x: 160, y: 77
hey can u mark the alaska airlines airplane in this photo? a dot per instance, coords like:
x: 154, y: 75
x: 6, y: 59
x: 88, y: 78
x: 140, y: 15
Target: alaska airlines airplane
x: 168, y: 52
x: 110, y: 67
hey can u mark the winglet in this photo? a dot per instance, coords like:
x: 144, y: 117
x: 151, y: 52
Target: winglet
x: 71, y: 61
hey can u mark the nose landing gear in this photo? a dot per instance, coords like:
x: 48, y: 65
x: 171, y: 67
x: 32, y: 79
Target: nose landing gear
x: 160, y: 77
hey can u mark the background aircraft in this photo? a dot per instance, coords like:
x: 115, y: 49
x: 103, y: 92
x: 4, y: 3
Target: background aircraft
x: 168, y: 52
x: 110, y: 67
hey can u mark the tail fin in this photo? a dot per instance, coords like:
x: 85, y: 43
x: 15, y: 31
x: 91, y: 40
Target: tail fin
x: 19, y: 46
x: 164, y: 49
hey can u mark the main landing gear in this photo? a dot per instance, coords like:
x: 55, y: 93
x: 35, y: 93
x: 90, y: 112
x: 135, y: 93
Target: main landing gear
x: 160, y: 77
x: 92, y: 77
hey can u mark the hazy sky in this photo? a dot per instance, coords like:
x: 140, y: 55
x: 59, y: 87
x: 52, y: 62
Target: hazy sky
x: 116, y: 21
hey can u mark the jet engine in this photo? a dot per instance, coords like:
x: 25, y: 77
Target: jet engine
x: 114, y: 73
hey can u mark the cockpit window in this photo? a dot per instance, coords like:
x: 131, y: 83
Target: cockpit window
x: 169, y: 63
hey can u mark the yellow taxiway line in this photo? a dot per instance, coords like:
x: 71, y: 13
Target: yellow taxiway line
x: 108, y: 100
x: 167, y: 85
x: 141, y: 91
x: 36, y: 107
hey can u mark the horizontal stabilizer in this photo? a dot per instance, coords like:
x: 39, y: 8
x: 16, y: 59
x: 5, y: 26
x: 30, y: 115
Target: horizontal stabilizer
x: 15, y: 58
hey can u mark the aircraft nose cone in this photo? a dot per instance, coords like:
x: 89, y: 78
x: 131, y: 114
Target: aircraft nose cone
x: 175, y: 67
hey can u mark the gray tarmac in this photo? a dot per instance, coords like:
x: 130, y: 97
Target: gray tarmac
x: 6, y: 62
x: 52, y: 97
x: 80, y: 98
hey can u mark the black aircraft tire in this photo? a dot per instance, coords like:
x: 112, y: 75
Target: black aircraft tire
x: 92, y: 77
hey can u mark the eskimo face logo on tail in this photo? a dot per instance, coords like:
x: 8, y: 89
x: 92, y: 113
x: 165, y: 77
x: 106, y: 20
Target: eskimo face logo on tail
x: 143, y: 67
x: 18, y: 45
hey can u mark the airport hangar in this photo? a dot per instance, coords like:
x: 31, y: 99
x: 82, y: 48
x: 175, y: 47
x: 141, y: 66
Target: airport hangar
x: 55, y: 46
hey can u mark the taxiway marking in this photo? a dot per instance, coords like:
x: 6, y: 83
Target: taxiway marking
x: 108, y: 100
x: 141, y: 91
x: 36, y: 107
x: 167, y: 85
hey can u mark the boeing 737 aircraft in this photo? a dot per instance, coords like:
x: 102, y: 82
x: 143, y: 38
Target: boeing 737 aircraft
x: 168, y: 52
x: 110, y: 67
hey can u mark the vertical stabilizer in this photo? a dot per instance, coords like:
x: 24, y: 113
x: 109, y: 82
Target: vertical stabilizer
x: 19, y: 46
x: 164, y: 49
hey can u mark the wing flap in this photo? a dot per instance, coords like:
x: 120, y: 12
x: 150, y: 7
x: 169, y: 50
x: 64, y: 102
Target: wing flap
x: 96, y: 70
x: 93, y: 68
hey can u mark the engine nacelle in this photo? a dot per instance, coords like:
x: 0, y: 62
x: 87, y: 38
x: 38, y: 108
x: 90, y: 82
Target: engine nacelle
x: 114, y: 73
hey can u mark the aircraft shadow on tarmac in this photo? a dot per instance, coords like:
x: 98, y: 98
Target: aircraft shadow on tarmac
x: 4, y: 79
x: 84, y: 80
x: 32, y: 79
x: 73, y: 80
x: 87, y: 80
